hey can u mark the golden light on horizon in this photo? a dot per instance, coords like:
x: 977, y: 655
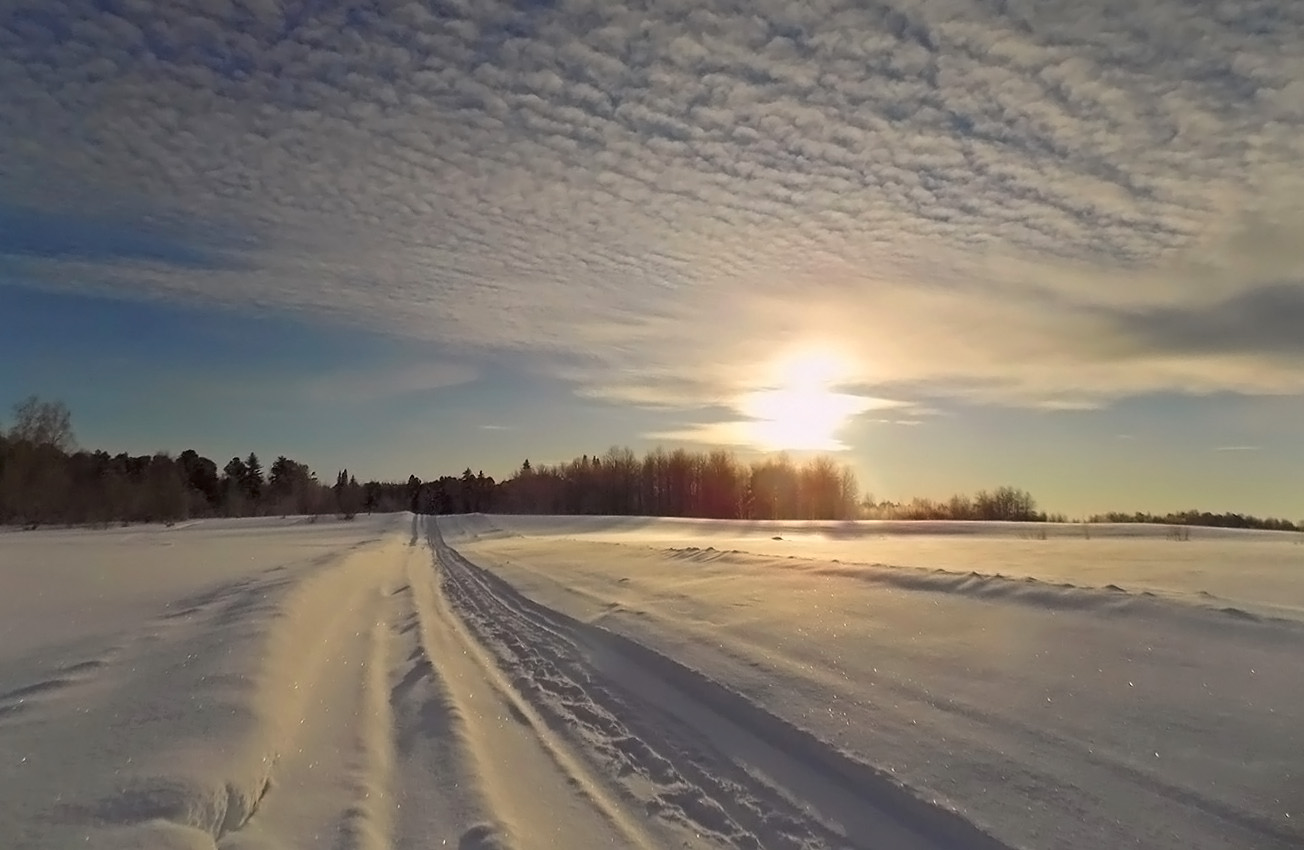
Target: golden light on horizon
x: 803, y: 411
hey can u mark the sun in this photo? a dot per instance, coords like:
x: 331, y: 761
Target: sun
x: 802, y: 410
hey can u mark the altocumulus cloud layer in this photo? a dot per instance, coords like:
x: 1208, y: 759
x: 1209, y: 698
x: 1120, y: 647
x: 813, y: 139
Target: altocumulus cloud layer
x: 1046, y: 203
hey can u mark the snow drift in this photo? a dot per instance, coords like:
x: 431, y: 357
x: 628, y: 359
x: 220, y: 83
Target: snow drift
x: 527, y: 682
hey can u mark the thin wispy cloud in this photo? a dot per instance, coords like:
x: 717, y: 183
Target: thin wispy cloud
x: 992, y: 201
x: 795, y: 418
x: 385, y: 382
x: 1238, y: 448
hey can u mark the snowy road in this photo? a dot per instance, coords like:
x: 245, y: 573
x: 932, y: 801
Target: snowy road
x: 489, y: 682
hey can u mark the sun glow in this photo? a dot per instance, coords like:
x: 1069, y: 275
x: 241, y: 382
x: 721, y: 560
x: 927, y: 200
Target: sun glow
x: 802, y: 410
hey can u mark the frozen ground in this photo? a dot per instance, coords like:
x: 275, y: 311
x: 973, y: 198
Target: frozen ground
x: 520, y: 682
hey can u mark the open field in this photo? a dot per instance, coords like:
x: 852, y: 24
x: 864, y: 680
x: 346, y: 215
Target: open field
x: 537, y: 682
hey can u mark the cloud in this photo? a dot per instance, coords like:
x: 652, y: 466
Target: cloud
x: 804, y: 418
x: 655, y: 202
x: 1267, y: 321
x: 385, y: 382
x: 750, y: 435
x: 35, y: 233
x: 1238, y: 448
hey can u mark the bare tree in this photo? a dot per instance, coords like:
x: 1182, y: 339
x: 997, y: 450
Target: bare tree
x: 43, y: 423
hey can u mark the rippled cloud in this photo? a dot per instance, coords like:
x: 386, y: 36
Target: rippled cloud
x: 1049, y: 204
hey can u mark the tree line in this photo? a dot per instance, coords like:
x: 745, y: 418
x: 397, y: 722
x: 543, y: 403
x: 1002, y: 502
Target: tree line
x: 1204, y: 518
x: 711, y: 484
x: 1015, y: 505
x: 1004, y: 504
x: 45, y: 479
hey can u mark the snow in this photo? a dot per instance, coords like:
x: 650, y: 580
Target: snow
x: 540, y: 682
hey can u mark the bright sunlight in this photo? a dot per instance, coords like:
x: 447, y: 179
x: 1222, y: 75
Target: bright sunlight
x: 804, y: 411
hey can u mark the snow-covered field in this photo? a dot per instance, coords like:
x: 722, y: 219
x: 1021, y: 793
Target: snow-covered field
x: 524, y: 682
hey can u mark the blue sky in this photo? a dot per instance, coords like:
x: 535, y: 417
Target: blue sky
x: 1049, y: 244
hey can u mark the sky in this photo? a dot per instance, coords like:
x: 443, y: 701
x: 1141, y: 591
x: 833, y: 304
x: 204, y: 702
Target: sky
x: 958, y: 243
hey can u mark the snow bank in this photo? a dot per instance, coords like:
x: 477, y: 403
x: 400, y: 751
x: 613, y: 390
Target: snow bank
x: 1047, y: 713
x: 1252, y: 572
x: 159, y: 723
x: 404, y: 682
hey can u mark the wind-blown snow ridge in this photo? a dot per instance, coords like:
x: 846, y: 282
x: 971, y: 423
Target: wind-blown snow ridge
x: 1071, y: 567
x: 1027, y: 590
x: 864, y: 800
x: 1068, y: 725
x: 476, y: 526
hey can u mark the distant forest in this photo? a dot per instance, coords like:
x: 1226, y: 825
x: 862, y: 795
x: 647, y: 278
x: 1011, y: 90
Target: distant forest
x: 46, y: 480
x: 1204, y: 518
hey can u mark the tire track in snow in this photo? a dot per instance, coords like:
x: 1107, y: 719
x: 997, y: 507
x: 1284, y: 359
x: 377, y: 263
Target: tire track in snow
x: 481, y: 769
x: 366, y: 824
x: 692, y: 750
x: 437, y: 799
x: 318, y: 702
